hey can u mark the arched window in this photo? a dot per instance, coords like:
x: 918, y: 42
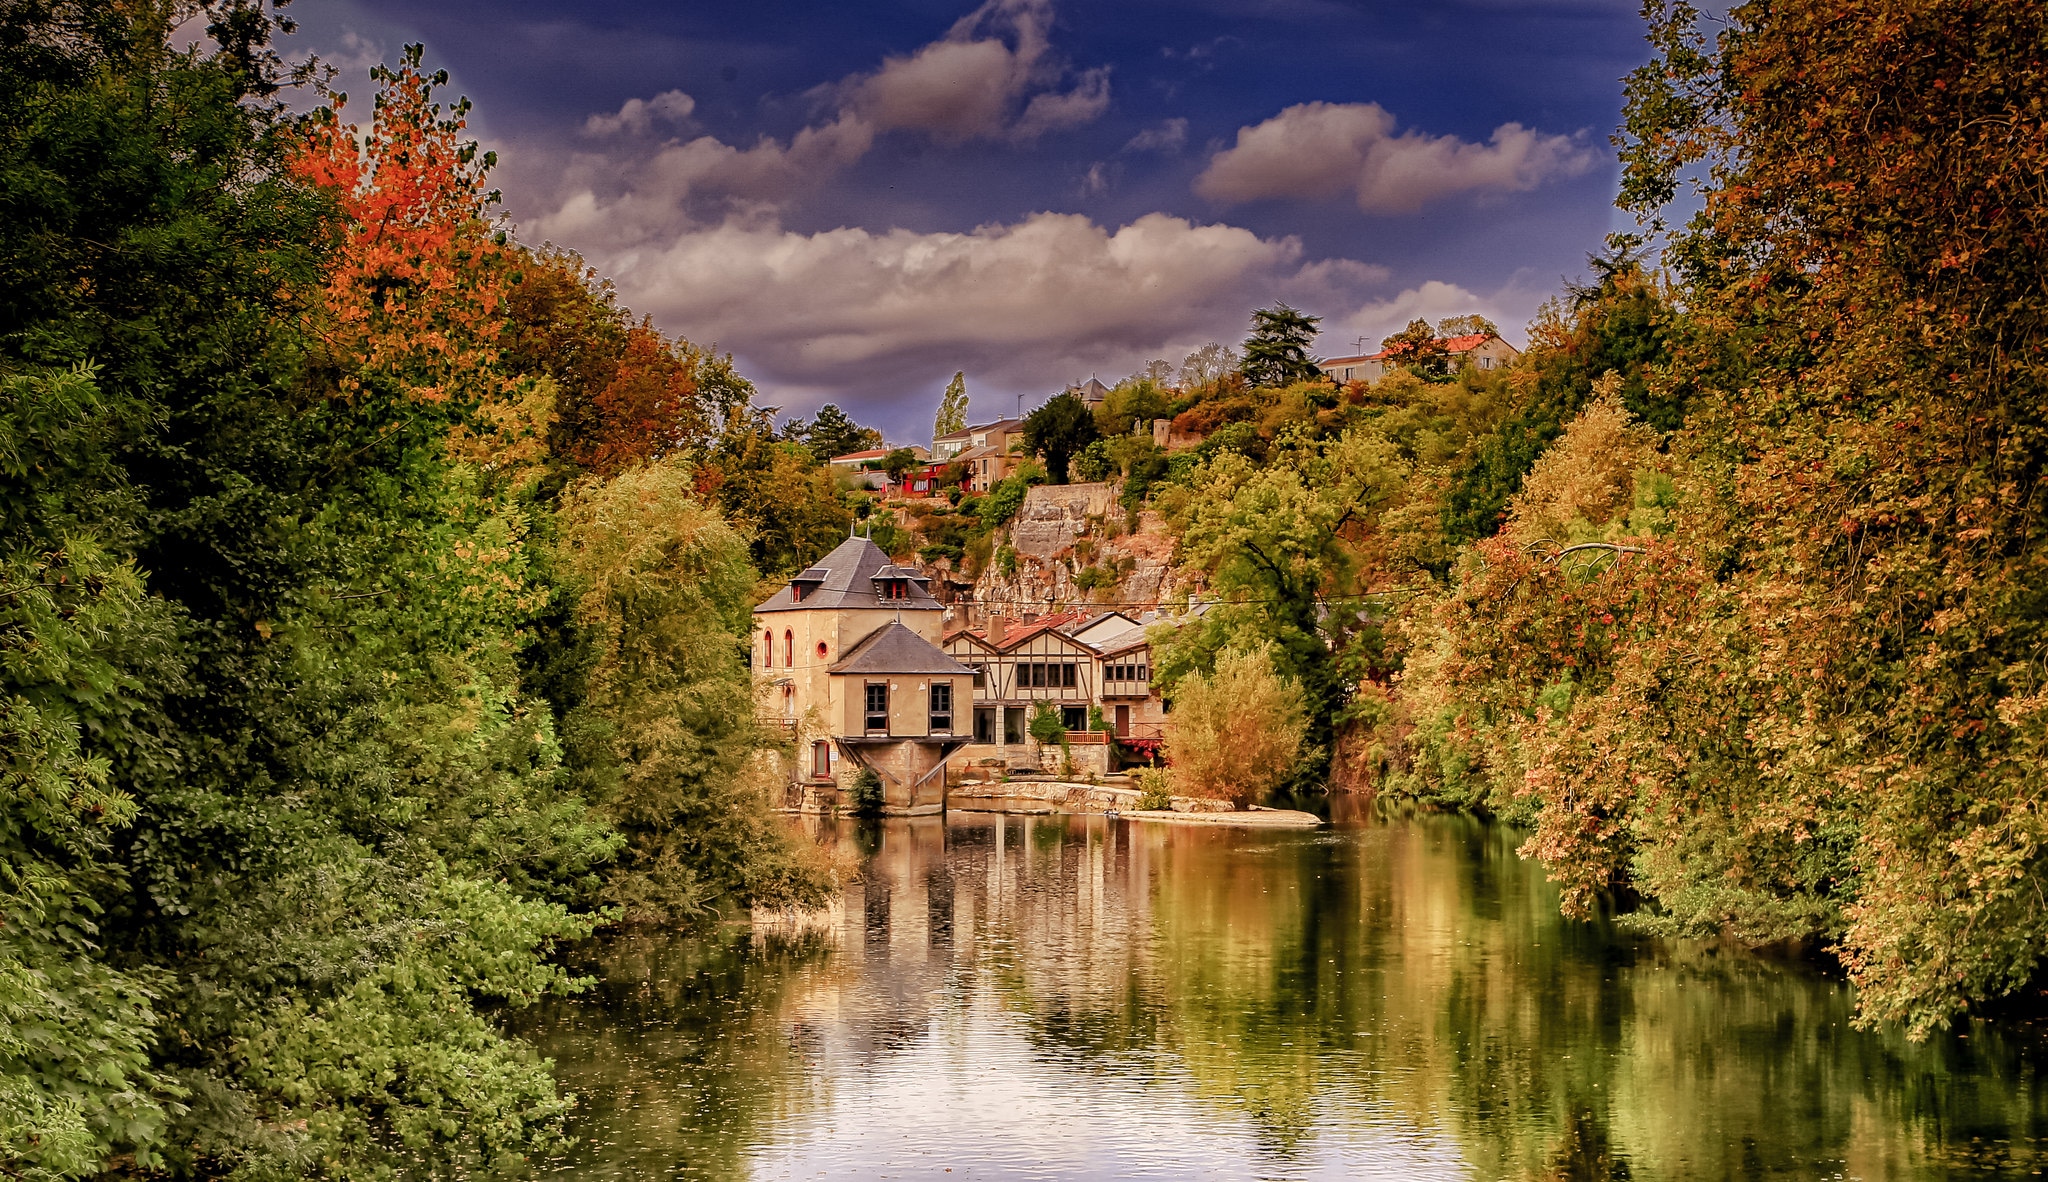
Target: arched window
x: 767, y: 649
x: 789, y: 648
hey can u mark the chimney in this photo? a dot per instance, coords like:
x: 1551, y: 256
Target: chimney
x: 998, y: 630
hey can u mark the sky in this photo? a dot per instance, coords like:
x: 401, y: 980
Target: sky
x: 857, y: 200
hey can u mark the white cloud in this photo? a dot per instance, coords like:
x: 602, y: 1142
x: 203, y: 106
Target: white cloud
x: 1510, y: 307
x: 637, y: 116
x: 972, y: 83
x: 1054, y: 111
x: 1321, y: 151
x: 991, y: 77
x: 1169, y: 137
x: 705, y: 172
x: 1023, y: 306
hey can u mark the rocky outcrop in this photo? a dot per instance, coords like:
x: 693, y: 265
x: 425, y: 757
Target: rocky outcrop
x: 1074, y: 545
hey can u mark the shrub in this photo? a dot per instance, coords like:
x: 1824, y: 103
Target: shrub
x: 866, y: 794
x: 1155, y: 789
x: 1234, y: 734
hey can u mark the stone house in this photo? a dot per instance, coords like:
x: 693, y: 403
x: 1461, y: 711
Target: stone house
x: 1482, y: 350
x: 847, y: 665
x: 986, y: 450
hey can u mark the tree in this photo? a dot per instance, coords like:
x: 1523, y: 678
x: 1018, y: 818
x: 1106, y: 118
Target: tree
x: 1058, y: 431
x: 1236, y: 733
x: 899, y: 463
x: 834, y: 433
x: 1276, y: 353
x: 1206, y: 366
x: 1274, y: 539
x: 1466, y: 325
x: 1419, y: 350
x: 1132, y: 404
x: 666, y: 738
x: 952, y: 407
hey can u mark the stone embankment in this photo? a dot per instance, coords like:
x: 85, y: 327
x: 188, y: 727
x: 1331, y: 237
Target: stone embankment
x: 1062, y: 796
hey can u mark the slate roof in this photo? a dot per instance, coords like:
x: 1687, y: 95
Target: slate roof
x: 848, y: 581
x: 893, y: 648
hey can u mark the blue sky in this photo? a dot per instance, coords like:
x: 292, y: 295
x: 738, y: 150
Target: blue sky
x: 859, y: 199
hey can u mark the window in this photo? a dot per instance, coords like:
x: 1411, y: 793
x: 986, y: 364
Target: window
x: 1013, y: 724
x: 1074, y: 718
x: 1144, y: 674
x: 942, y: 708
x: 877, y: 714
x: 1067, y: 675
x: 789, y: 701
x: 796, y: 592
x: 896, y: 589
x: 821, y: 759
x: 984, y: 724
x: 788, y: 648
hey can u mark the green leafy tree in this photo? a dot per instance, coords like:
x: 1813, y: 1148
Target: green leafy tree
x: 952, y: 415
x: 666, y: 739
x: 1132, y: 404
x: 899, y: 463
x: 1235, y: 734
x: 1274, y: 538
x: 834, y: 433
x: 1277, y: 351
x: 1058, y: 431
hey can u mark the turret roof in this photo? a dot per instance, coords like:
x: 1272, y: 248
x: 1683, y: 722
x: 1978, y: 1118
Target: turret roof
x: 846, y: 578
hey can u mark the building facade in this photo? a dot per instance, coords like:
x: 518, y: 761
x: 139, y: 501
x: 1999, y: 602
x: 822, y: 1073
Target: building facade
x: 847, y: 665
x: 1481, y: 350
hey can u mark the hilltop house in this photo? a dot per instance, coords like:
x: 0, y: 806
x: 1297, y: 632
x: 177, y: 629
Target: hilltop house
x: 1090, y: 392
x: 984, y: 449
x: 1483, y: 350
x: 846, y: 662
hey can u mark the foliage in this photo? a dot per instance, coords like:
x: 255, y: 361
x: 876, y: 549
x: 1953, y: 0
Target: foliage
x: 1466, y: 325
x: 290, y: 818
x: 666, y: 739
x: 783, y: 502
x: 1276, y: 353
x: 952, y: 416
x: 1046, y: 726
x: 834, y: 433
x: 1274, y: 540
x: 1421, y: 350
x: 1155, y: 789
x: 1236, y: 733
x: 1058, y: 431
x: 1131, y: 405
x: 1206, y: 366
x: 866, y: 793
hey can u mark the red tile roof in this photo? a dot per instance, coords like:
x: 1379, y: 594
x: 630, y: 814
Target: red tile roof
x: 1461, y: 344
x: 1018, y: 633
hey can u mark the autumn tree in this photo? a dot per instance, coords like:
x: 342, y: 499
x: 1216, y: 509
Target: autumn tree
x: 1277, y: 351
x: 1419, y: 350
x: 1280, y: 541
x: 1467, y: 325
x: 1235, y: 733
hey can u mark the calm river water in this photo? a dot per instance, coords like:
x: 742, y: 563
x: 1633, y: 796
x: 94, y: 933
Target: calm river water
x: 1081, y: 997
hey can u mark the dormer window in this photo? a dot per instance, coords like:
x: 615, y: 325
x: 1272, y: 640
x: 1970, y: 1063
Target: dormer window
x: 797, y: 591
x: 896, y: 588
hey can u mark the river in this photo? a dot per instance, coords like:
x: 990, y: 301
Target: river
x: 1082, y: 997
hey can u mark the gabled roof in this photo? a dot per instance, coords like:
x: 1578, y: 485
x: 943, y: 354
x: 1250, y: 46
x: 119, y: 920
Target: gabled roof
x: 998, y: 425
x: 1019, y: 633
x: 873, y: 453
x: 1452, y: 345
x: 1091, y: 390
x: 1121, y: 645
x: 848, y: 581
x: 1101, y: 617
x: 893, y: 648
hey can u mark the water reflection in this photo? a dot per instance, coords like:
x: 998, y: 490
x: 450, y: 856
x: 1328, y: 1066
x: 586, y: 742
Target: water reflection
x: 1060, y: 997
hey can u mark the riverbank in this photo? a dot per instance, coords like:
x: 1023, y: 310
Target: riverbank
x: 1065, y: 796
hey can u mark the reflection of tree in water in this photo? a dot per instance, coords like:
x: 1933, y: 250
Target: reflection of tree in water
x: 1309, y: 989
x: 676, y: 1053
x: 1583, y: 1154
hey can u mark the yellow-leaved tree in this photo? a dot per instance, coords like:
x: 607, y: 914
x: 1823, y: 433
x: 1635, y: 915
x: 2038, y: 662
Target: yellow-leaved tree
x: 1235, y: 734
